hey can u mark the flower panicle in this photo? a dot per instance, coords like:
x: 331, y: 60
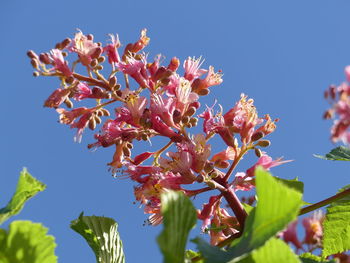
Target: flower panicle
x: 130, y: 98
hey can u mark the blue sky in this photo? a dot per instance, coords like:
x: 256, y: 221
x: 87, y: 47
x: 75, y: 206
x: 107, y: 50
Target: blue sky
x: 284, y: 54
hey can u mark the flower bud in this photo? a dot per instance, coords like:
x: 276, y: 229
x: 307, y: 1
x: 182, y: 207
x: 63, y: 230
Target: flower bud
x: 194, y: 121
x: 36, y: 74
x: 101, y: 59
x: 176, y: 116
x: 203, y: 92
x: 257, y: 136
x: 221, y: 164
x: 129, y: 145
x: 185, y: 119
x: 34, y: 63
x: 105, y: 112
x: 200, y: 178
x: 190, y: 111
x: 97, y: 52
x: 58, y: 46
x: 99, y: 67
x: 144, y: 137
x: 258, y: 152
x: 69, y: 80
x: 174, y: 64
x: 31, y: 54
x: 94, y: 63
x: 208, y: 167
x: 65, y: 43
x: 97, y: 119
x: 45, y: 58
x: 264, y: 143
x: 92, y: 124
x: 90, y: 37
x: 64, y: 54
x: 112, y: 81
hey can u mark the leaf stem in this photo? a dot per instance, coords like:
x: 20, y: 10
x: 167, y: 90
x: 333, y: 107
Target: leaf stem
x: 324, y: 202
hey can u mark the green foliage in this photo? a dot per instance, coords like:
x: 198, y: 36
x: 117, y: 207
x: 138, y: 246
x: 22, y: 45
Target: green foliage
x: 102, y: 236
x: 311, y: 258
x: 340, y: 153
x: 179, y: 217
x: 336, y: 227
x: 293, y: 183
x: 277, y: 206
x: 274, y: 251
x: 27, y: 187
x: 27, y: 242
x: 190, y: 255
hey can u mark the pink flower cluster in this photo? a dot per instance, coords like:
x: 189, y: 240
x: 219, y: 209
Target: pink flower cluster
x: 313, y: 227
x: 339, y: 98
x: 169, y: 110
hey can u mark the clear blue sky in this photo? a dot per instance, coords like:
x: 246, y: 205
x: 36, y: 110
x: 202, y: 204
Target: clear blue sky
x: 284, y: 54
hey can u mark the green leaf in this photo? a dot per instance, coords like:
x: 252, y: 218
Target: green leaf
x: 179, y: 217
x: 27, y: 242
x: 274, y: 251
x: 340, y: 153
x: 277, y: 206
x: 102, y: 236
x: 190, y: 254
x: 27, y: 187
x: 293, y: 183
x: 336, y: 227
x: 311, y: 258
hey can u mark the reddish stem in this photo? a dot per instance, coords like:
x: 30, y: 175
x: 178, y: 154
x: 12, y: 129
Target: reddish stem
x: 92, y: 80
x: 324, y: 202
x: 235, y: 205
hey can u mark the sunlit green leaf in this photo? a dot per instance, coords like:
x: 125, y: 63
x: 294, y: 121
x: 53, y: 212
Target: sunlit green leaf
x: 277, y: 206
x: 102, y: 236
x: 340, y: 153
x: 336, y: 227
x: 179, y: 217
x: 27, y: 187
x: 27, y: 242
x: 274, y: 251
x: 193, y: 255
x: 311, y: 258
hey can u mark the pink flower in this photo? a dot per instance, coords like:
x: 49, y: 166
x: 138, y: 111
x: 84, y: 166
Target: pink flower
x: 212, y: 79
x: 222, y: 226
x: 85, y: 48
x: 243, y: 182
x: 69, y: 117
x: 164, y: 108
x: 139, y: 45
x: 142, y: 157
x: 289, y: 235
x: 82, y: 92
x: 112, y: 49
x: 181, y: 163
x: 266, y: 162
x: 208, y: 211
x: 243, y: 118
x: 136, y: 69
x: 313, y: 228
x: 59, y: 63
x: 184, y: 95
x: 57, y: 98
x: 114, y: 132
x: 192, y: 68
